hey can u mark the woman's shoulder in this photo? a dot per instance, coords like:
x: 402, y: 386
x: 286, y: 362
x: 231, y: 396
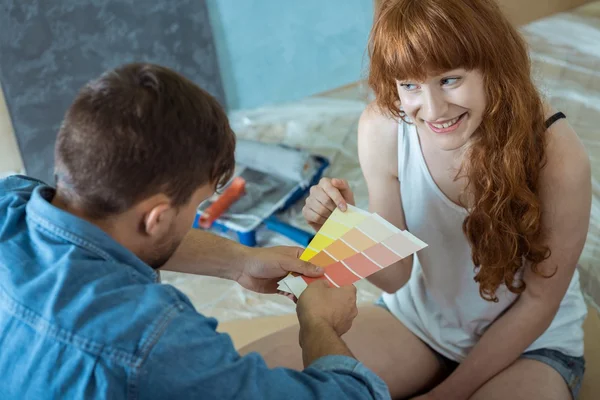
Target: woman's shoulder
x: 377, y: 139
x: 567, y: 161
x: 374, y: 120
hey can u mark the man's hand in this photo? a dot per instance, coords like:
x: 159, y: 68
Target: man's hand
x: 257, y: 269
x: 320, y: 304
x: 264, y: 267
x: 325, y: 314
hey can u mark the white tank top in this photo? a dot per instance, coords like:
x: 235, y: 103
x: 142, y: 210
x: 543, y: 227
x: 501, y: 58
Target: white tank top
x: 441, y: 303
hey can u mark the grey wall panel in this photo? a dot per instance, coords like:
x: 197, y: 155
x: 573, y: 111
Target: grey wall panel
x: 50, y: 48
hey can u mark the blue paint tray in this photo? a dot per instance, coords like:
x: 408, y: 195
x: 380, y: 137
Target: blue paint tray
x: 263, y: 212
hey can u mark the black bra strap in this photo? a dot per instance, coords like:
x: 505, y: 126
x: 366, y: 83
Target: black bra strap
x: 554, y: 118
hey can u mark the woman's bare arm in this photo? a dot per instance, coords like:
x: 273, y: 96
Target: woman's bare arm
x: 378, y: 155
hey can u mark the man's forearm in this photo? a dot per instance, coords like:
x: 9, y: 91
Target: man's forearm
x: 318, y: 339
x: 203, y: 253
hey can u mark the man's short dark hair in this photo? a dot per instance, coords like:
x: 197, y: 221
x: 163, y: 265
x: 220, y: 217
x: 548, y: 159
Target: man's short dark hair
x: 139, y: 130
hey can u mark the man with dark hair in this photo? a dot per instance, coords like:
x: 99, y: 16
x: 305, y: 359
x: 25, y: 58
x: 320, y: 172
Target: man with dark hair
x: 82, y: 311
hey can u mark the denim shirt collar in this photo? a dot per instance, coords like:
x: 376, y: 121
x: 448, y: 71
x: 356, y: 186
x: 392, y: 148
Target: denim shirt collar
x: 81, y: 233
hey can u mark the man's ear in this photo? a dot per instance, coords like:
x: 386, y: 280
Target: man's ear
x: 158, y: 220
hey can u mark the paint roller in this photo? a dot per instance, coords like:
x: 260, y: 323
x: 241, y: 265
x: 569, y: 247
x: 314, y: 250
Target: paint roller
x: 235, y: 190
x: 274, y: 159
x: 243, y: 192
x: 260, y: 162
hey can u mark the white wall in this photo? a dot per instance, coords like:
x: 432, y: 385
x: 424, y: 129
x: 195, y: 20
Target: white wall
x: 10, y: 156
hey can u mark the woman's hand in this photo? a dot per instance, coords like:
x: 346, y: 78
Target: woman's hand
x: 324, y: 198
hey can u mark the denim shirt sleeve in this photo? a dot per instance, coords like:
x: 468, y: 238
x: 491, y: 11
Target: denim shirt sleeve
x: 192, y: 360
x: 351, y: 366
x: 18, y: 184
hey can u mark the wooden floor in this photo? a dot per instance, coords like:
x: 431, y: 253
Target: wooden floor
x: 246, y: 331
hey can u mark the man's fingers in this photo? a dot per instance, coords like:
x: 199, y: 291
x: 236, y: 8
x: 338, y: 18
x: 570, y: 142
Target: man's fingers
x: 319, y: 283
x: 304, y: 268
x: 349, y: 288
x: 292, y: 251
x: 288, y: 295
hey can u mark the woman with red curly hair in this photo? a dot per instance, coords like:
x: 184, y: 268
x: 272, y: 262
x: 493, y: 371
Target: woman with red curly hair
x: 459, y: 149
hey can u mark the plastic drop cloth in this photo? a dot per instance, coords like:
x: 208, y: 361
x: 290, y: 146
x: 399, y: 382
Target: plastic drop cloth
x: 565, y: 50
x: 324, y: 126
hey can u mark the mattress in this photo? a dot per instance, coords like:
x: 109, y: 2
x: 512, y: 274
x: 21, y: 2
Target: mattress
x: 565, y: 52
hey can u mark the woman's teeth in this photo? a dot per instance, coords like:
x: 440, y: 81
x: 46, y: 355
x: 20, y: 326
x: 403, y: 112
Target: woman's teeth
x: 446, y: 124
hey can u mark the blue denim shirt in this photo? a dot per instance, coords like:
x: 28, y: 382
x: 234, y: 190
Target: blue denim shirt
x: 81, y: 317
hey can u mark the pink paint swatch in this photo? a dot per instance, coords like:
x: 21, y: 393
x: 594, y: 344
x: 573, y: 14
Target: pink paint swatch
x: 353, y: 266
x: 361, y: 265
x: 341, y: 275
x: 382, y: 255
x: 358, y: 240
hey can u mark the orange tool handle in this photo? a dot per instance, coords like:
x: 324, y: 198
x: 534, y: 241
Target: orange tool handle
x: 232, y: 194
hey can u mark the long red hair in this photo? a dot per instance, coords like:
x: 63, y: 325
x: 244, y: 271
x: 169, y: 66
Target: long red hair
x: 413, y: 39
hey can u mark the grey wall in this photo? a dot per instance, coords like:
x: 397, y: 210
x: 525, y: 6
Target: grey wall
x: 50, y: 48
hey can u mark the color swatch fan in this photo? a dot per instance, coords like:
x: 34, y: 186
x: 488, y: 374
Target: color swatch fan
x: 352, y: 245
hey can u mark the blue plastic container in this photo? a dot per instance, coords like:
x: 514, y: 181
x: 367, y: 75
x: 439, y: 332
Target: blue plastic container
x: 298, y: 235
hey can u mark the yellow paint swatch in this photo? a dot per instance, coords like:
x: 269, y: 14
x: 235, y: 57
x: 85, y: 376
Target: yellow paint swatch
x: 351, y: 217
x: 320, y: 241
x: 333, y: 229
x: 339, y: 247
x: 308, y: 254
x: 338, y: 223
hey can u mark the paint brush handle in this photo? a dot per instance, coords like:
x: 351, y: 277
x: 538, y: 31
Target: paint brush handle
x: 232, y: 194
